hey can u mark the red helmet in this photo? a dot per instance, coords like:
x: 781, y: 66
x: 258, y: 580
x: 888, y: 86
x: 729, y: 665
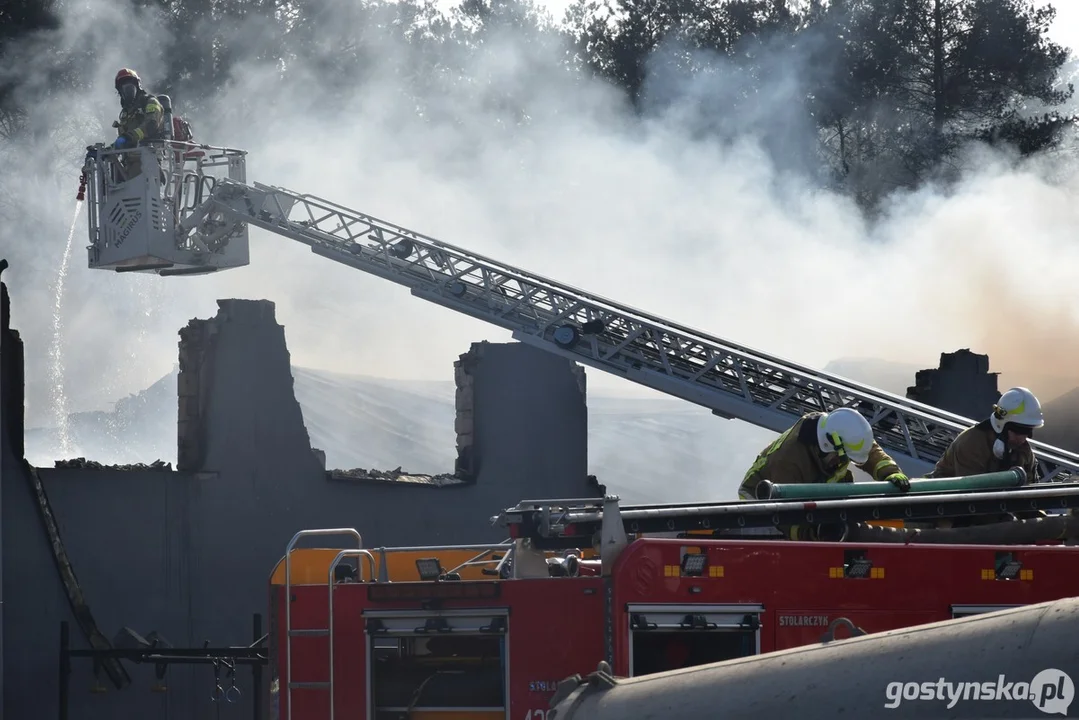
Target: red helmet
x: 126, y: 74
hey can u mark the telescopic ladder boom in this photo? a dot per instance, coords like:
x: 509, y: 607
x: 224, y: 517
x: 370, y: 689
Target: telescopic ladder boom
x: 206, y: 226
x: 732, y: 381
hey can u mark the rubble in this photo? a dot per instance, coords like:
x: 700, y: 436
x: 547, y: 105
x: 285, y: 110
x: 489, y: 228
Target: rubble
x: 395, y: 476
x: 596, y: 486
x: 85, y: 464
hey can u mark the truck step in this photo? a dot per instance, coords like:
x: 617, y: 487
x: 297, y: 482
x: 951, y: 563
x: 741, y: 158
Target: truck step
x: 309, y: 632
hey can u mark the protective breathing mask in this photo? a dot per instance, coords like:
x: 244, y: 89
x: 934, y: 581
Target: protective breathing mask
x: 128, y: 91
x: 998, y: 448
x: 999, y: 445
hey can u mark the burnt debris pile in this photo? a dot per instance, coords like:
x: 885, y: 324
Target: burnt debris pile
x: 84, y: 464
x: 398, y: 475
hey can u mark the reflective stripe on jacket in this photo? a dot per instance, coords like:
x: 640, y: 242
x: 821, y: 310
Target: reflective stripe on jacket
x: 144, y: 120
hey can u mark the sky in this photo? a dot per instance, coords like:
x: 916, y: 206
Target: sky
x: 712, y: 236
x: 1066, y: 26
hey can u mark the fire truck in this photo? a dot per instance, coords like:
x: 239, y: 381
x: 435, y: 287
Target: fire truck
x: 488, y: 631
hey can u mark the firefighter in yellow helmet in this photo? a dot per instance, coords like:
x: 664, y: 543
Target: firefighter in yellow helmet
x: 820, y: 448
x: 141, y: 118
x: 997, y: 443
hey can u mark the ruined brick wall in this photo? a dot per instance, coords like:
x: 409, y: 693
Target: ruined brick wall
x: 962, y: 385
x: 247, y: 396
x: 10, y: 443
x: 192, y: 388
x: 508, y: 395
x: 464, y: 404
x: 529, y: 421
x: 250, y: 378
x: 12, y: 376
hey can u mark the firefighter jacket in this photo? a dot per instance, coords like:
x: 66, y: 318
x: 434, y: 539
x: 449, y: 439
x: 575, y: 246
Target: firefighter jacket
x: 144, y: 119
x: 795, y: 457
x: 971, y: 453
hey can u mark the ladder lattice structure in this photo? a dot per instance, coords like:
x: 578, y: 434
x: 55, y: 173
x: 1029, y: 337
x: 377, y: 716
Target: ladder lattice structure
x: 731, y: 380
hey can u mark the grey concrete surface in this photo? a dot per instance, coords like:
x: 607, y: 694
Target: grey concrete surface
x: 188, y: 554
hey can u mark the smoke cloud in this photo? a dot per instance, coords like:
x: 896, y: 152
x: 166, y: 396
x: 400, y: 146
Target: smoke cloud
x: 713, y: 234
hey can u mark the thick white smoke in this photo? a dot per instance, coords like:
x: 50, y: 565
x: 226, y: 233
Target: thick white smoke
x: 644, y: 211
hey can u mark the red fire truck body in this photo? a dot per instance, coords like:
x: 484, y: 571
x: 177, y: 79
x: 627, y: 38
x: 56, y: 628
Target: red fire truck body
x: 482, y: 647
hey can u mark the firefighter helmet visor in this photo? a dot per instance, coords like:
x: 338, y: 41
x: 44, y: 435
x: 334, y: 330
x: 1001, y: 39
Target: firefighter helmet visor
x: 128, y: 90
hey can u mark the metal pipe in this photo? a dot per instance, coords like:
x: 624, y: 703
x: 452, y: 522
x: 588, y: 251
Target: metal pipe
x: 806, y: 491
x: 425, y: 548
x: 356, y: 553
x: 1010, y: 532
x: 288, y: 601
x: 758, y: 507
x: 954, y: 669
x: 330, y: 586
x: 474, y: 560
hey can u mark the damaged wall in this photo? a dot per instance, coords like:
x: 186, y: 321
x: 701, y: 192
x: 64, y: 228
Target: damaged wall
x: 962, y: 385
x: 193, y: 384
x: 464, y: 425
x: 519, y: 423
x: 12, y: 441
x: 189, y: 553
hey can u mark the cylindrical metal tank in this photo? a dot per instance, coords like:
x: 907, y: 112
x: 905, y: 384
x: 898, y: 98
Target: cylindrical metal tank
x: 1016, y: 663
x: 166, y: 106
x: 1013, y: 532
x: 816, y: 491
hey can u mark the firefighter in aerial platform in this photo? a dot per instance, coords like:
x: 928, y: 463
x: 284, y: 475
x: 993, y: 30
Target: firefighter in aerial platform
x: 997, y: 443
x: 820, y: 448
x: 141, y: 118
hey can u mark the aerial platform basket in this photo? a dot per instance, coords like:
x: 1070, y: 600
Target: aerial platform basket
x: 148, y: 209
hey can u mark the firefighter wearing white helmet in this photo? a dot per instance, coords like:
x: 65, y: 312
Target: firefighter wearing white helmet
x: 820, y: 448
x: 997, y: 443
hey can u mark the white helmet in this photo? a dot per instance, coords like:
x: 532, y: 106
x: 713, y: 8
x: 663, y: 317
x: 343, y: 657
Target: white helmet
x: 846, y: 429
x: 1018, y: 406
